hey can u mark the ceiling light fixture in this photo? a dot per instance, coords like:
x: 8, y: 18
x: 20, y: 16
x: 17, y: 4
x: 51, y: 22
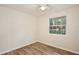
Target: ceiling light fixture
x: 43, y: 7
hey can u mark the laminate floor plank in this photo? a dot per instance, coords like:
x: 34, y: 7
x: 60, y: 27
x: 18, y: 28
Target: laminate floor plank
x: 39, y: 49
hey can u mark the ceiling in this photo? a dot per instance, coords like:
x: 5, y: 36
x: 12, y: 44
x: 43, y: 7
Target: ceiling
x: 33, y: 9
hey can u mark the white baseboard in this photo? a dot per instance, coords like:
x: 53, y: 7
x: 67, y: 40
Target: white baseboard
x: 60, y: 47
x: 35, y: 42
x: 16, y: 48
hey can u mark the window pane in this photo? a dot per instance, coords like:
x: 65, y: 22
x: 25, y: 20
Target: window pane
x: 57, y: 25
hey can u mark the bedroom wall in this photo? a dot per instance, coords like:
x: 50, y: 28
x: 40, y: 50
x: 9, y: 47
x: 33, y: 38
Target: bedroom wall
x: 19, y: 29
x: 70, y: 41
x: 16, y: 29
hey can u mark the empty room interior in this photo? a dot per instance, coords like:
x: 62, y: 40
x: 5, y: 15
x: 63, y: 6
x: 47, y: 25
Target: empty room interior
x: 39, y: 29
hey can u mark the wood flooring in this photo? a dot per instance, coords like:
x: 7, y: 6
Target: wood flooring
x: 39, y: 49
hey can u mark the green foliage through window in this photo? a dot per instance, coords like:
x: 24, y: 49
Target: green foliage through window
x: 57, y: 25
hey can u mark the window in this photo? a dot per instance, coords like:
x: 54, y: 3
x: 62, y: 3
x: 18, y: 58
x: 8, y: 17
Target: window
x: 57, y: 25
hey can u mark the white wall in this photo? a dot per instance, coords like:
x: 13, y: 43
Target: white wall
x: 70, y: 41
x: 16, y: 29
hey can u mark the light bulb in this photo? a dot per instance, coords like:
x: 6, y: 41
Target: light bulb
x: 43, y: 8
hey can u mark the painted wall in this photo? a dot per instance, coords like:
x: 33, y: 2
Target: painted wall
x: 16, y: 29
x: 70, y: 41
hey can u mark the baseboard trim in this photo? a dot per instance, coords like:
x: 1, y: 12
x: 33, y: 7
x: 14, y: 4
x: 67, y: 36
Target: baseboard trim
x: 74, y: 52
x: 15, y: 48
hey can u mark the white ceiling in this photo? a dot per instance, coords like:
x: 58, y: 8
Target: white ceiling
x: 34, y: 8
